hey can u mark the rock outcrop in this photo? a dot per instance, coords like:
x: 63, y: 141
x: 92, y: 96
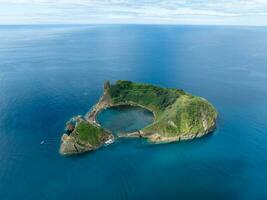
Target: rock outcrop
x: 70, y: 146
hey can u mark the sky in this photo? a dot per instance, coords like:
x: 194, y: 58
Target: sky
x: 226, y: 12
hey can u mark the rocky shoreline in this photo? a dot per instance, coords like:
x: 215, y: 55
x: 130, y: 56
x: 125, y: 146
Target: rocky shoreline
x: 69, y: 145
x: 158, y: 139
x: 106, y: 102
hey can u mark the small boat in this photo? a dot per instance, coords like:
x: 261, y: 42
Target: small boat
x: 42, y: 142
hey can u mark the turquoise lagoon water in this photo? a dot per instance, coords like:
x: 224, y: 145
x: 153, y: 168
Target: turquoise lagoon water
x: 50, y: 73
x: 124, y: 119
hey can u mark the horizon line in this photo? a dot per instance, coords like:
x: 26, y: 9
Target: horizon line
x: 161, y: 24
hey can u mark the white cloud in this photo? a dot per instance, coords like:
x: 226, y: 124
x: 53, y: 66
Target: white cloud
x: 251, y: 12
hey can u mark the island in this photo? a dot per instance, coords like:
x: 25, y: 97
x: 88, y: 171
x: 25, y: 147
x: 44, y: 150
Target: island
x: 178, y: 116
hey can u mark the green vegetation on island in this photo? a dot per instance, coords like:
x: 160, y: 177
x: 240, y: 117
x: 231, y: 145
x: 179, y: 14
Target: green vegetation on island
x: 177, y: 116
x: 88, y: 133
x: 177, y: 113
x: 83, y: 136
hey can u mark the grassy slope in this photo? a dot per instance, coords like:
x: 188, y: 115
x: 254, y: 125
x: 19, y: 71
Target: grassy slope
x: 176, y: 111
x: 88, y: 133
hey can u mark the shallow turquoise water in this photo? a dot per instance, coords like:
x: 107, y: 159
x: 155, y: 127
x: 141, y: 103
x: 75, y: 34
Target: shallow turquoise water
x: 124, y: 119
x: 50, y: 73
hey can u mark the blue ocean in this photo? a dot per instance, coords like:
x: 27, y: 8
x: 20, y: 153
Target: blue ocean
x: 50, y: 73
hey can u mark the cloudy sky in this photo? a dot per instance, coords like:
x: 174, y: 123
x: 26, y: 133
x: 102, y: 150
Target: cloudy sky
x: 232, y: 12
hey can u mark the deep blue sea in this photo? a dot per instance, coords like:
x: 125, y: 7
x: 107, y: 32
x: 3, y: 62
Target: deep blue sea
x: 50, y: 73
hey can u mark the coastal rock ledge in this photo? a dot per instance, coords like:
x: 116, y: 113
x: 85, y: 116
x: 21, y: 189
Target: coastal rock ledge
x: 177, y: 116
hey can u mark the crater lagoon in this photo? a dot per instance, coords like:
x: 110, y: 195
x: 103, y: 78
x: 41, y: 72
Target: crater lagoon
x: 50, y: 73
x: 124, y: 119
